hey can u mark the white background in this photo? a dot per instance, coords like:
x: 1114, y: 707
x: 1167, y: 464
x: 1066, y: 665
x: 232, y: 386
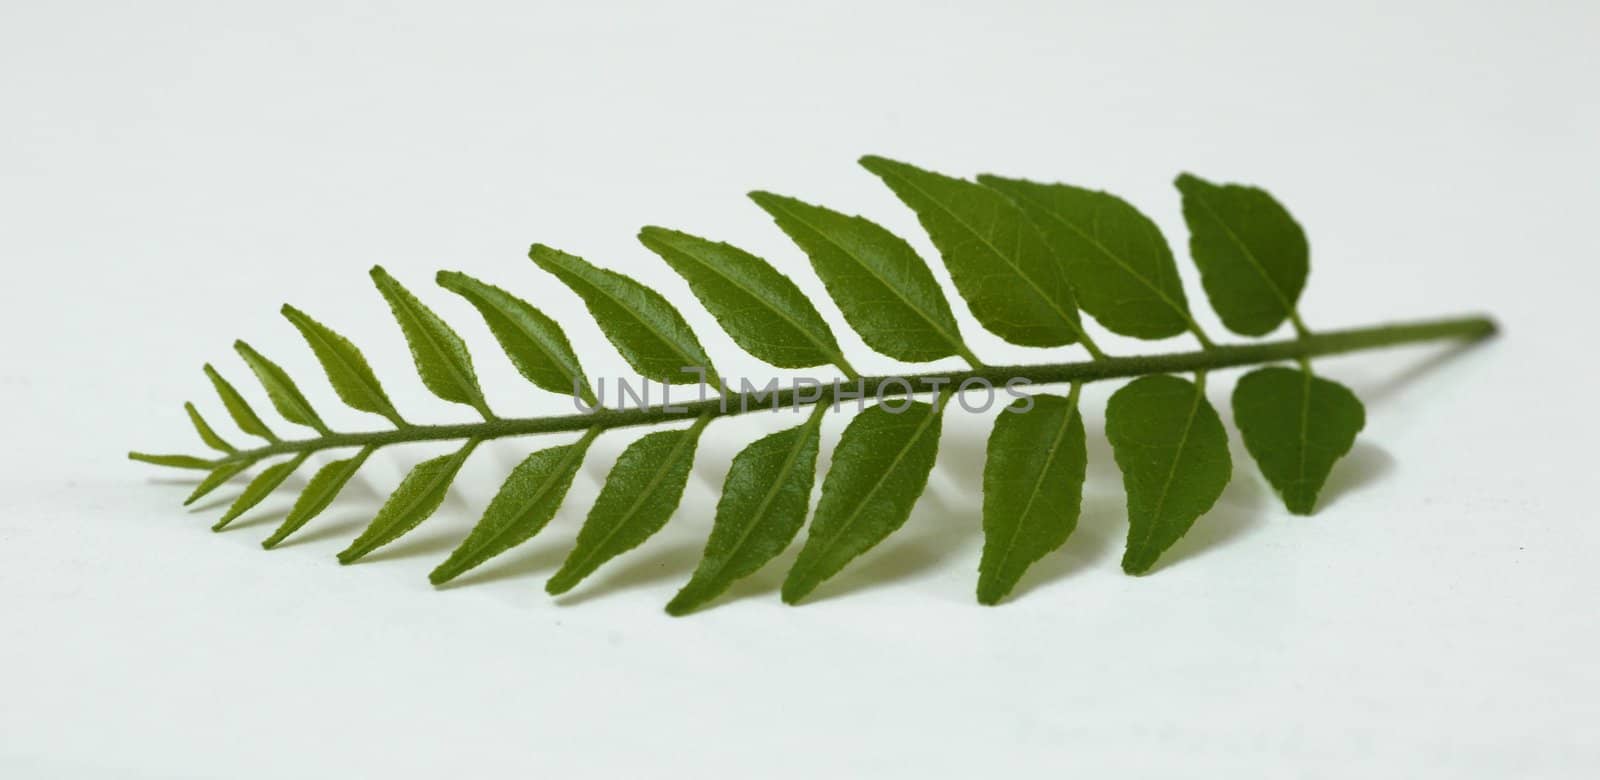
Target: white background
x: 171, y: 173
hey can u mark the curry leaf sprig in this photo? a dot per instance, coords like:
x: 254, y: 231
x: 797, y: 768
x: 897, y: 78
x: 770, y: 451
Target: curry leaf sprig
x: 1029, y: 259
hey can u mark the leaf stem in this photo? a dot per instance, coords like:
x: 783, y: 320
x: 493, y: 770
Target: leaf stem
x: 1218, y: 357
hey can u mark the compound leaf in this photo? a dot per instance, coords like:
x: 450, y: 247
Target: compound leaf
x: 1252, y: 255
x: 760, y: 308
x: 640, y: 322
x: 346, y: 367
x: 259, y: 488
x: 1173, y: 453
x: 639, y: 496
x: 885, y: 291
x: 281, y: 390
x: 238, y: 408
x: 1032, y: 488
x: 526, y: 502
x: 1296, y: 426
x: 879, y: 470
x: 419, y: 495
x: 763, y: 505
x: 1001, y: 266
x: 441, y: 357
x: 318, y: 494
x: 1117, y: 259
x: 207, y: 433
x: 534, y: 342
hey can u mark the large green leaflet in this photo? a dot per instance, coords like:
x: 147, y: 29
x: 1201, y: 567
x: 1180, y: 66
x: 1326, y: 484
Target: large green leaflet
x: 441, y: 357
x: 534, y: 342
x: 763, y: 505
x: 1296, y: 426
x: 281, y: 390
x: 882, y: 287
x: 1174, y: 458
x: 646, y: 328
x: 878, y: 471
x: 419, y: 495
x: 1032, y: 488
x: 761, y: 309
x: 1000, y: 264
x: 640, y: 495
x: 320, y: 491
x: 1253, y: 256
x: 525, y: 503
x: 1023, y: 255
x: 1117, y: 259
x: 346, y: 367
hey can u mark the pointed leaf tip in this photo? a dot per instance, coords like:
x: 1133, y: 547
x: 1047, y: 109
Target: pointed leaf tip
x: 1296, y: 426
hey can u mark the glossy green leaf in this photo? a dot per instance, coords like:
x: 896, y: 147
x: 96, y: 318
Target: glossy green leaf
x: 639, y: 496
x: 1118, y: 261
x: 1252, y: 255
x: 345, y: 366
x: 281, y: 390
x: 218, y: 477
x: 207, y: 433
x: 885, y: 291
x: 1296, y: 426
x: 419, y: 495
x: 441, y: 357
x: 530, y: 496
x: 1014, y: 284
x: 763, y: 505
x: 318, y: 494
x: 644, y: 327
x: 172, y: 461
x: 534, y: 342
x: 239, y: 409
x: 879, y: 470
x: 760, y: 308
x: 259, y: 488
x: 1174, y: 458
x: 1032, y: 488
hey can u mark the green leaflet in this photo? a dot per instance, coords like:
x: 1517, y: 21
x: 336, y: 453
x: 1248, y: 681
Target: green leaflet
x: 259, y: 488
x: 649, y: 332
x: 319, y: 493
x: 534, y: 342
x: 172, y: 461
x: 639, y: 496
x: 239, y: 409
x: 1174, y: 458
x: 281, y: 390
x: 1296, y: 426
x: 879, y: 470
x: 1252, y: 255
x: 885, y: 291
x: 763, y: 505
x: 218, y: 477
x: 345, y: 366
x: 760, y: 308
x: 530, y: 496
x: 419, y: 495
x: 441, y: 357
x: 1000, y: 265
x: 207, y: 434
x: 1032, y: 488
x: 1117, y: 259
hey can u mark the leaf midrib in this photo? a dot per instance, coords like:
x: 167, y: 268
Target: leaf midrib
x: 438, y: 481
x: 418, y: 321
x: 803, y: 436
x: 585, y: 275
x: 685, y: 436
x: 575, y: 450
x: 363, y: 374
x: 1255, y: 262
